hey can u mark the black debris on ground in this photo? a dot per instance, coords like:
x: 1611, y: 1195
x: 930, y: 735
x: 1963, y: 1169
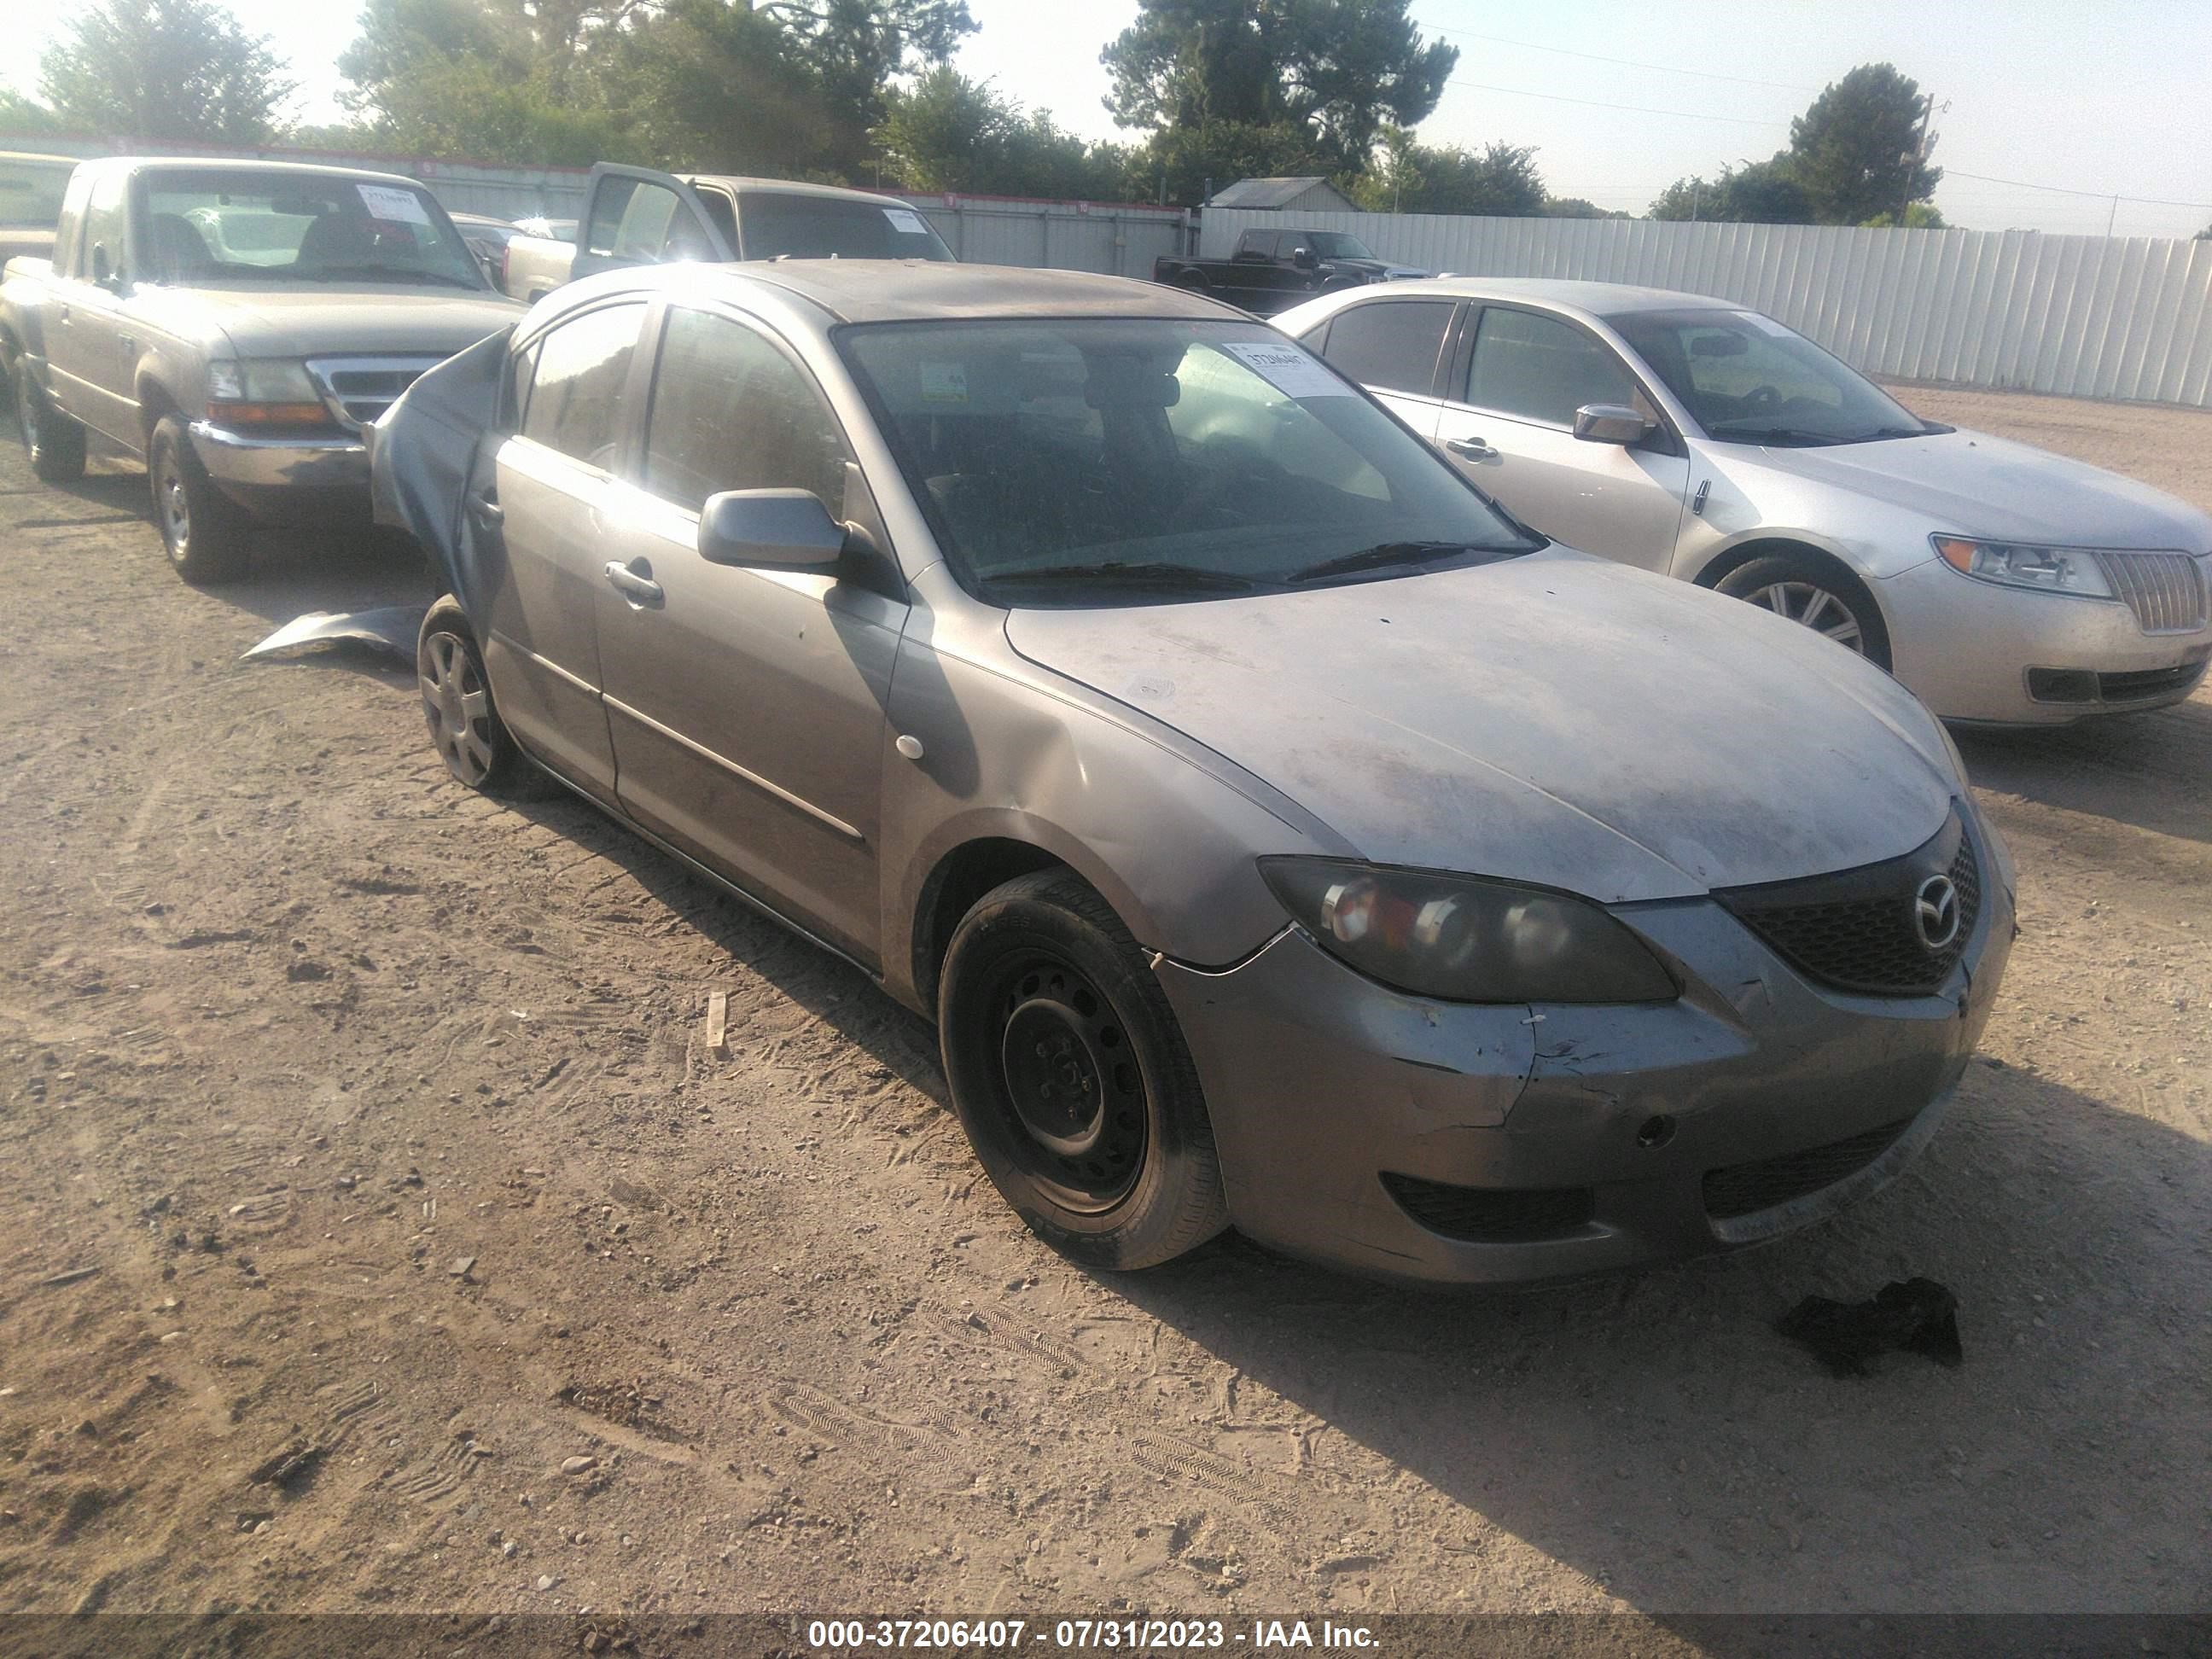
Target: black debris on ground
x: 1913, y: 1315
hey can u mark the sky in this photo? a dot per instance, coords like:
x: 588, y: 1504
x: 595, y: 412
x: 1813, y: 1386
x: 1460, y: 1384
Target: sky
x: 1620, y: 97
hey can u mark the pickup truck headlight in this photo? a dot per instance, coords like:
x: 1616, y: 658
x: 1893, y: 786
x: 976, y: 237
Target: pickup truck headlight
x: 2011, y: 564
x: 264, y: 390
x: 1463, y: 938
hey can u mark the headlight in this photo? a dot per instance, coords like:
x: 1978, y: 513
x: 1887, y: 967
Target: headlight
x: 262, y: 380
x: 1462, y: 939
x: 2048, y: 569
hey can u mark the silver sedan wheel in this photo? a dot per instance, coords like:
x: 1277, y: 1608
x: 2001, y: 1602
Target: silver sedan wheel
x: 1826, y: 612
x: 457, y: 706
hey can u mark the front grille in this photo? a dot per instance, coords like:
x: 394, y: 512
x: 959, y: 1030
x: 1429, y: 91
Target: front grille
x: 1493, y: 1215
x: 1745, y: 1188
x: 2164, y: 590
x: 2150, y: 682
x: 360, y: 389
x: 1860, y: 930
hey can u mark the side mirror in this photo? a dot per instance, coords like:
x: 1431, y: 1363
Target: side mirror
x: 783, y: 529
x: 1610, y: 423
x: 1304, y: 258
x: 103, y: 271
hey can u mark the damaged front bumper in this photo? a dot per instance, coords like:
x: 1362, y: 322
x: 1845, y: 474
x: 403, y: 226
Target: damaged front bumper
x: 1405, y: 1138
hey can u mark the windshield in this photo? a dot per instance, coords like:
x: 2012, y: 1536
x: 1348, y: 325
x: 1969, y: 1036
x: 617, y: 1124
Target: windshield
x: 1081, y: 460
x: 780, y: 227
x: 1748, y: 379
x: 292, y: 227
x: 1336, y: 245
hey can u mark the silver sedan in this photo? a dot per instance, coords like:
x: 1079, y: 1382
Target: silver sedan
x: 1690, y: 436
x: 1279, y: 835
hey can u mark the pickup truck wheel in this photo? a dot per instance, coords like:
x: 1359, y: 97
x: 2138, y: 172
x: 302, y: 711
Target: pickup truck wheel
x: 53, y: 442
x: 204, y: 532
x: 1072, y: 1077
x: 466, y: 728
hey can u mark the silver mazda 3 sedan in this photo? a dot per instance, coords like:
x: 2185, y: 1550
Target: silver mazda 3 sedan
x: 1689, y: 435
x: 1279, y: 833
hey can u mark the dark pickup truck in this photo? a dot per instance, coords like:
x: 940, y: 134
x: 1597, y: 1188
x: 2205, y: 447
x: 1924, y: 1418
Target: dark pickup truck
x: 1274, y: 270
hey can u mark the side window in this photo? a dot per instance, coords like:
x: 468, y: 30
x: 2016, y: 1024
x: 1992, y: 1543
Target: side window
x: 575, y: 399
x: 724, y: 214
x: 731, y: 412
x: 1391, y: 343
x: 66, y: 228
x: 629, y: 220
x: 521, y: 371
x: 1294, y: 244
x: 1543, y: 369
x: 105, y: 216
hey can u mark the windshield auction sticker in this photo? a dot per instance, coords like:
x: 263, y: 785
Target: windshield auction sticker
x: 1290, y: 369
x: 905, y: 219
x: 383, y: 201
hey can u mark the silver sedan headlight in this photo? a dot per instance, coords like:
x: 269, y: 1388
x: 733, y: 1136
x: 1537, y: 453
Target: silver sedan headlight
x: 1463, y: 938
x: 2012, y: 564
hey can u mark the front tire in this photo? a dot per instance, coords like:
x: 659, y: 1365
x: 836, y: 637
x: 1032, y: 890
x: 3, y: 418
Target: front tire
x: 53, y: 442
x: 202, y: 531
x: 1822, y: 596
x: 466, y: 728
x: 1072, y: 1077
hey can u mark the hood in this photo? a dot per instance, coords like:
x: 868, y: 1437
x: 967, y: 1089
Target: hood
x: 342, y: 319
x: 1376, y: 271
x: 1977, y: 485
x: 1554, y: 718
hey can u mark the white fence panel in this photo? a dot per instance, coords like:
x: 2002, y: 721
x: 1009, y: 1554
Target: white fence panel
x: 2080, y: 316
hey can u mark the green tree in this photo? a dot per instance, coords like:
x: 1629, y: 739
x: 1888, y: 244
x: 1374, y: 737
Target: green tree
x: 951, y: 133
x: 1757, y: 192
x: 1576, y: 207
x: 1921, y: 216
x: 716, y: 87
x: 26, y: 116
x: 1858, y: 151
x: 1340, y: 69
x: 1176, y: 162
x: 856, y: 49
x: 181, y: 70
x: 1500, y: 180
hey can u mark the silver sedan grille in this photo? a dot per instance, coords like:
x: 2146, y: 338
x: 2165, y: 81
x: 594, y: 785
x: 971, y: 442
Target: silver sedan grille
x: 2164, y: 590
x: 359, y: 389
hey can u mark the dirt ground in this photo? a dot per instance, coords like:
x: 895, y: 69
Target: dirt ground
x: 363, y: 1163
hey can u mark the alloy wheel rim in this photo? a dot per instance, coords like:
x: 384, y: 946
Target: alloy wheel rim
x: 457, y: 706
x: 1072, y: 1093
x: 1814, y: 607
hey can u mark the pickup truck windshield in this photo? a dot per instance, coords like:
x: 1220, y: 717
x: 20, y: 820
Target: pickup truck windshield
x: 1084, y: 461
x: 1337, y: 245
x: 235, y: 226
x: 779, y: 226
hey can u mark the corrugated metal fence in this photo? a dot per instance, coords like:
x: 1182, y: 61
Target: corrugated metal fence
x: 2080, y: 316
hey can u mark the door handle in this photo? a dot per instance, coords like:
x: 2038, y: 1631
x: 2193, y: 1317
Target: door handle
x: 486, y: 511
x: 636, y: 585
x: 127, y: 342
x: 1471, y: 449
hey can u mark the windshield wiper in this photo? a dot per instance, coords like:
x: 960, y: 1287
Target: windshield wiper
x: 384, y: 274
x: 1385, y: 554
x: 1775, y: 435
x: 1140, y: 575
x: 1887, y: 432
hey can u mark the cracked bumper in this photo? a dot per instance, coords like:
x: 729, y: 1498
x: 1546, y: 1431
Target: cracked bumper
x: 1321, y: 1082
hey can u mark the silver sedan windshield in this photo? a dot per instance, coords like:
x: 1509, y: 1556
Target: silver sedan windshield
x: 1748, y: 379
x: 1062, y: 455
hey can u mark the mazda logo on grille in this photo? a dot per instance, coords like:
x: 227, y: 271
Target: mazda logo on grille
x: 1935, y: 913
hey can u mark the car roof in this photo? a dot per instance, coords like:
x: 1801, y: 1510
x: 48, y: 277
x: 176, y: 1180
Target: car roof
x: 246, y: 164
x: 1596, y: 299
x: 739, y: 182
x: 39, y: 157
x: 909, y: 290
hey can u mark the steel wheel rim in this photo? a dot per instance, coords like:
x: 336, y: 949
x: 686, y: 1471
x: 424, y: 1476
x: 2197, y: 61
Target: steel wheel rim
x: 1069, y: 1091
x: 457, y: 706
x: 26, y: 410
x: 176, y: 509
x: 1823, y: 610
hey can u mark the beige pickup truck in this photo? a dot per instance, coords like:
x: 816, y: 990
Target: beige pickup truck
x: 236, y: 326
x: 637, y: 216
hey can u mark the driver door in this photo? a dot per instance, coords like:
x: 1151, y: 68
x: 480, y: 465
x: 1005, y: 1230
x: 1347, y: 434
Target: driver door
x: 637, y: 216
x: 1508, y: 421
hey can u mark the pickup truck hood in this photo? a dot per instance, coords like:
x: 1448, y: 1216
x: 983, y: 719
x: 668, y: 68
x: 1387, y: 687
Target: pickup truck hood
x: 1376, y: 271
x: 1552, y: 718
x: 334, y: 320
x: 1977, y: 485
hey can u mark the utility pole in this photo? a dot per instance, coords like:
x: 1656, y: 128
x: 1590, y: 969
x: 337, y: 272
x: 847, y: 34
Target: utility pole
x: 2113, y: 217
x: 1693, y: 199
x: 1918, y: 159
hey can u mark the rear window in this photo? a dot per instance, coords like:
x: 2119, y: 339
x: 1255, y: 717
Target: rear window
x: 780, y: 227
x: 31, y: 193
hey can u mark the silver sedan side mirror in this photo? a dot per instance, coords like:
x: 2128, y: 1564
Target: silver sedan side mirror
x: 1610, y: 423
x: 785, y: 529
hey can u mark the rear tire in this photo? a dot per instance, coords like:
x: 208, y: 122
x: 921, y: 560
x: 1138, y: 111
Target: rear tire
x: 202, y: 529
x: 466, y: 728
x: 1072, y: 1077
x: 1806, y: 588
x: 53, y: 442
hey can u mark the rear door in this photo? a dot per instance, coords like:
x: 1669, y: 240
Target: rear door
x: 636, y: 216
x: 1397, y: 349
x: 547, y: 506
x: 1508, y: 423
x: 747, y: 705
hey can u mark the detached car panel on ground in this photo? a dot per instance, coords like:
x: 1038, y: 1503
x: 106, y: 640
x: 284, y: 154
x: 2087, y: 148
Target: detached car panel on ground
x: 1277, y: 833
x: 1692, y: 437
